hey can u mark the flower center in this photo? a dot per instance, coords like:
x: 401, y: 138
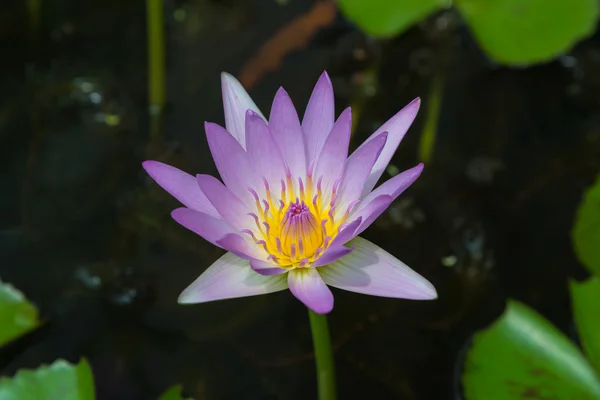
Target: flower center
x: 297, y: 226
x: 301, y: 235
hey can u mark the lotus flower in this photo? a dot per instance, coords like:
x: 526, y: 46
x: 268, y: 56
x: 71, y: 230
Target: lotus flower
x: 292, y: 202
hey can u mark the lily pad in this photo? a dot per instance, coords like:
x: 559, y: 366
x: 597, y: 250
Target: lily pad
x: 586, y: 232
x: 17, y: 315
x: 586, y: 308
x: 173, y: 393
x: 385, y: 18
x: 61, y: 380
x: 522, y: 355
x: 522, y: 32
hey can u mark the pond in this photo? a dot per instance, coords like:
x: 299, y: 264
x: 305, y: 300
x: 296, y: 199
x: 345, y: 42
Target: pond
x: 87, y: 235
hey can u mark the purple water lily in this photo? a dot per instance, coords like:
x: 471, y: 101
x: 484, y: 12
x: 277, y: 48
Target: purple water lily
x: 292, y: 203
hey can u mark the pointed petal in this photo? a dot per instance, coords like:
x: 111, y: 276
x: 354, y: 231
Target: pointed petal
x: 371, y: 211
x: 232, y: 161
x: 332, y: 159
x: 287, y: 132
x: 319, y: 116
x: 266, y: 268
x: 229, y: 206
x: 393, y: 187
x: 180, y: 185
x: 230, y: 277
x: 236, y: 102
x: 346, y: 233
x: 396, y: 128
x: 371, y: 270
x: 262, y: 149
x: 332, y: 255
x: 242, y: 247
x: 357, y: 170
x: 308, y: 287
x: 210, y: 228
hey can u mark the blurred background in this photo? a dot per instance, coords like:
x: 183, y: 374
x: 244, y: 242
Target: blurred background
x: 509, y: 132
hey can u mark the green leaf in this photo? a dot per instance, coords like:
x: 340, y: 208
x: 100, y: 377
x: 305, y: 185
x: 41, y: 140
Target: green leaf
x: 521, y: 32
x: 59, y: 381
x: 586, y: 232
x: 173, y: 393
x: 17, y: 315
x: 384, y: 18
x: 586, y: 309
x: 522, y: 355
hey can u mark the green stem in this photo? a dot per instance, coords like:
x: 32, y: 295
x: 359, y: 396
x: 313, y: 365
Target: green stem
x: 156, y: 65
x: 323, y: 356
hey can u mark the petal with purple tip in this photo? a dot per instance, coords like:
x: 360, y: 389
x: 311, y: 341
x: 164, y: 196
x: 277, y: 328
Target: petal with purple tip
x: 232, y: 161
x: 230, y: 277
x: 347, y: 233
x: 266, y: 268
x: 262, y: 149
x: 357, y: 170
x: 287, y: 132
x: 371, y: 270
x: 371, y: 211
x: 180, y: 185
x: 308, y: 287
x: 230, y: 207
x: 242, y: 247
x: 331, y: 255
x: 319, y: 116
x: 330, y: 163
x: 394, y: 186
x: 210, y: 228
x: 396, y: 128
x: 236, y: 102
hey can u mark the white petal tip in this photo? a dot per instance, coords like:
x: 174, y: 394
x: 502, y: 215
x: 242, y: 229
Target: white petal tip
x: 428, y: 292
x: 187, y: 298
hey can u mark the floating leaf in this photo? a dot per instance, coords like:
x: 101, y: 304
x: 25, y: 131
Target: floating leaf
x: 17, y: 315
x: 521, y: 32
x: 60, y: 380
x: 586, y: 308
x: 522, y: 355
x: 173, y: 393
x: 586, y: 232
x: 386, y: 18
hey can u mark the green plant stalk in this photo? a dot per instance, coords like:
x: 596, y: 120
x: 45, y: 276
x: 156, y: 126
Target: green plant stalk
x: 323, y: 356
x: 156, y: 65
x: 434, y: 103
x: 34, y: 8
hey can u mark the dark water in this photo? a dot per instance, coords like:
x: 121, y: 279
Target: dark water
x: 87, y: 236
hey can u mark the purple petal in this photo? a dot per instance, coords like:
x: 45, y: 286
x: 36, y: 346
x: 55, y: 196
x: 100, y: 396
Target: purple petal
x: 396, y: 128
x: 232, y: 162
x: 180, y: 185
x: 347, y: 233
x: 266, y: 268
x: 371, y: 270
x: 331, y: 255
x: 357, y: 170
x: 242, y: 247
x: 236, y: 102
x: 308, y: 287
x: 208, y: 227
x: 395, y: 186
x: 319, y: 116
x: 229, y: 206
x: 262, y: 149
x: 332, y: 159
x: 371, y: 211
x: 287, y: 132
x: 230, y: 277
